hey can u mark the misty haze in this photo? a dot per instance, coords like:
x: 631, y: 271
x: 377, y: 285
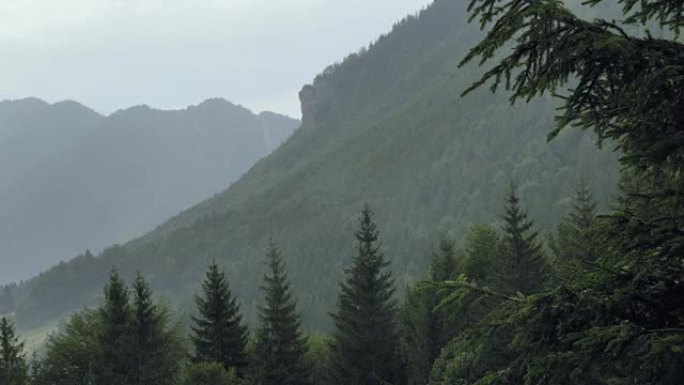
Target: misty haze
x: 313, y: 192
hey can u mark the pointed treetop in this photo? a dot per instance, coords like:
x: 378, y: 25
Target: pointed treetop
x: 280, y: 344
x: 443, y: 264
x: 274, y: 259
x: 115, y: 289
x: 584, y: 208
x: 366, y: 312
x: 142, y: 296
x: 367, y: 231
x: 523, y: 266
x: 217, y: 332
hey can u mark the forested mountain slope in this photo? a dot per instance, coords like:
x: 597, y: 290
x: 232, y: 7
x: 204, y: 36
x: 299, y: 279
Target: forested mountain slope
x: 73, y: 179
x: 386, y: 127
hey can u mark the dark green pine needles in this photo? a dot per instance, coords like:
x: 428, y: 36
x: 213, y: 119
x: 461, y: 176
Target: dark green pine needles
x: 621, y: 322
x: 280, y: 344
x: 13, y: 369
x: 119, y: 343
x: 218, y: 333
x: 154, y: 345
x: 113, y: 338
x: 575, y: 241
x: 523, y: 266
x: 424, y: 331
x: 364, y: 346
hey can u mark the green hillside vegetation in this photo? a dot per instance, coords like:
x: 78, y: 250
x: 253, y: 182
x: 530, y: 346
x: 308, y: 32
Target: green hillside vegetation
x: 602, y: 304
x: 386, y: 127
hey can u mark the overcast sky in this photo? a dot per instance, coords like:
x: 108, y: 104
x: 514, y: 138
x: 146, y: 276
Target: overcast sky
x: 111, y: 54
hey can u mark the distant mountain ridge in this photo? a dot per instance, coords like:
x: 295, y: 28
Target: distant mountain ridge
x: 74, y: 179
x: 387, y: 127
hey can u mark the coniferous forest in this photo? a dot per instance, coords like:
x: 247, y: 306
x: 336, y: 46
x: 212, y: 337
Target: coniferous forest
x: 596, y: 299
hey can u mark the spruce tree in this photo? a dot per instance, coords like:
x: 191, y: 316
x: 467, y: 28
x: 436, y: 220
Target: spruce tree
x: 576, y: 238
x: 522, y: 266
x: 444, y: 267
x: 118, y: 343
x: 154, y: 347
x: 280, y: 344
x: 13, y: 369
x: 443, y: 264
x: 217, y: 332
x: 114, y: 338
x: 482, y: 248
x: 424, y: 331
x: 365, y: 345
x: 622, y: 322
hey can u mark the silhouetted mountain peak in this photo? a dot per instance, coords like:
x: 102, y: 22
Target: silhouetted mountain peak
x: 73, y: 106
x: 272, y: 115
x: 37, y: 104
x: 133, y: 110
x: 25, y: 104
x: 217, y: 106
x: 216, y: 103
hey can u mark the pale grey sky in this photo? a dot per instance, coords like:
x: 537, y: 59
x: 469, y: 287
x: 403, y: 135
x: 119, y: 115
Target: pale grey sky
x: 110, y: 54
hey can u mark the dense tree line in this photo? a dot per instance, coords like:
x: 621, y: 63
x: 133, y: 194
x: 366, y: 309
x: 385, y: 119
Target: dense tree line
x: 468, y: 320
x: 442, y: 332
x: 388, y: 122
x: 601, y: 303
x: 130, y: 340
x: 618, y: 316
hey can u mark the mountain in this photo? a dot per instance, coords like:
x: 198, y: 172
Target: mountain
x: 387, y: 126
x: 75, y: 180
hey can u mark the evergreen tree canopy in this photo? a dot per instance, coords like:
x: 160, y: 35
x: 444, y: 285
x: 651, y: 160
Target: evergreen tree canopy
x: 365, y: 345
x: 423, y: 330
x: 628, y: 88
x: 155, y: 349
x: 577, y: 240
x: 143, y: 349
x: 522, y: 266
x: 385, y: 123
x: 218, y: 333
x: 444, y: 263
x: 13, y: 369
x: 482, y: 248
x: 440, y: 330
x: 623, y: 321
x: 280, y: 344
x: 114, y: 336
